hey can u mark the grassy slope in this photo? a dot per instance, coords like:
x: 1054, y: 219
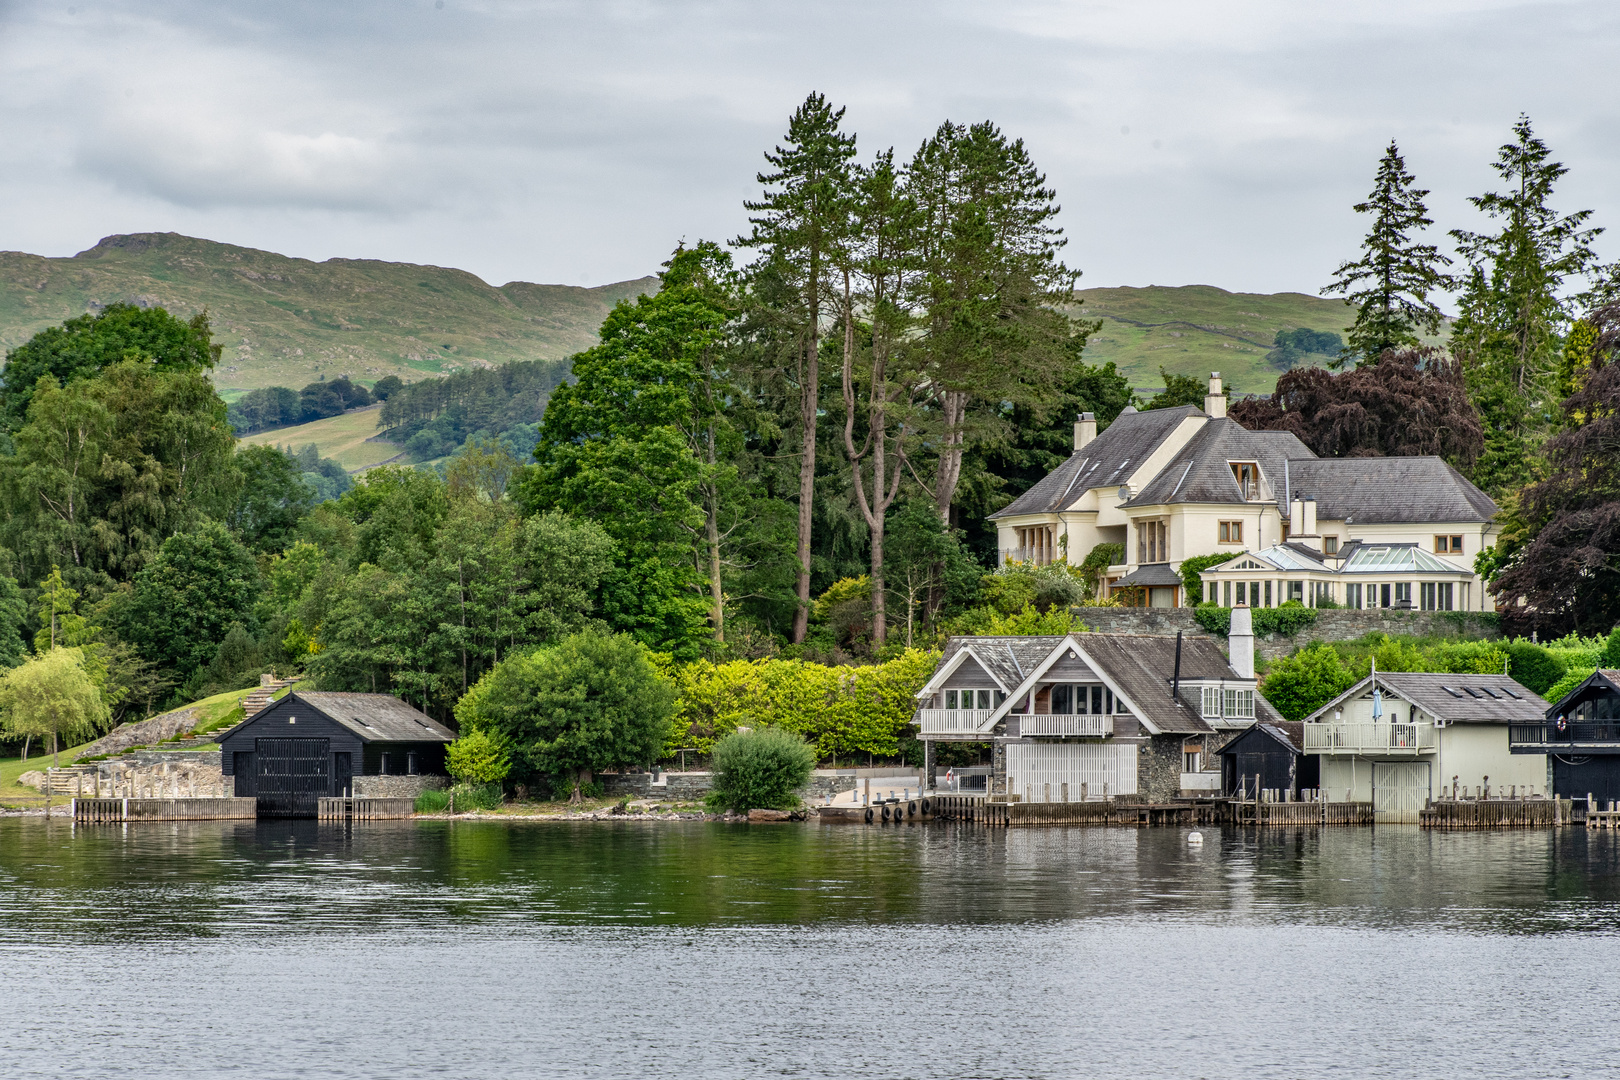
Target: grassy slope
x: 290, y: 321
x: 1196, y: 329
x: 345, y: 439
x: 213, y: 713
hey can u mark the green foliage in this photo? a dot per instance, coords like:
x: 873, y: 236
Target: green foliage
x: 923, y: 559
x: 988, y: 622
x: 1097, y: 561
x: 52, y: 695
x: 1016, y: 586
x: 1390, y: 284
x: 760, y: 769
x: 1566, y: 683
x: 1293, y: 347
x: 1298, y: 685
x: 184, y: 603
x: 272, y: 499
x: 1179, y: 390
x: 1534, y: 666
x: 13, y: 618
x: 475, y: 797
x: 83, y: 347
x: 1610, y: 657
x: 432, y: 802
x: 479, y: 757
x: 453, y: 409
x: 588, y: 703
x: 848, y: 710
x: 1192, y: 568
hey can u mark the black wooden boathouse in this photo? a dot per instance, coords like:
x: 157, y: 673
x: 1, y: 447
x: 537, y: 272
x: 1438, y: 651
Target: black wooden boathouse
x: 307, y: 746
x: 1273, y: 751
x: 1581, y: 738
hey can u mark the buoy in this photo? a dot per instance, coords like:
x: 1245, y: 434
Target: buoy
x: 1196, y: 839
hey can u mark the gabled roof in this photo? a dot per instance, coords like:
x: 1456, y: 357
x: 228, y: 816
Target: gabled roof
x: 378, y: 717
x: 965, y: 653
x: 1277, y: 557
x: 1200, y: 472
x: 1150, y: 574
x: 1290, y: 733
x: 1394, y: 490
x: 1456, y: 699
x: 1008, y: 660
x: 1107, y: 461
x: 1611, y: 676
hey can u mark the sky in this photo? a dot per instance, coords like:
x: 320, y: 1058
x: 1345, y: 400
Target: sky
x: 1189, y: 142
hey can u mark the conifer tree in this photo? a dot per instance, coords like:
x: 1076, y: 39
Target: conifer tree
x: 1509, y: 333
x: 1391, y: 282
x: 798, y: 228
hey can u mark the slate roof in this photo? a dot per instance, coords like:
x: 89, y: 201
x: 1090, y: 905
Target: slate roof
x: 1108, y: 460
x: 1463, y: 699
x: 1009, y: 659
x: 1150, y: 574
x: 1291, y: 733
x: 1394, y: 490
x: 378, y: 717
x: 1142, y: 665
x: 1601, y: 675
x: 1200, y: 472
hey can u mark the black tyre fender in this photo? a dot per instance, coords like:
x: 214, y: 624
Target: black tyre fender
x: 869, y: 815
x: 911, y: 808
x: 885, y: 813
x: 925, y: 806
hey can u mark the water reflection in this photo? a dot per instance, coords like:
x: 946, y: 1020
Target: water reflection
x: 196, y: 879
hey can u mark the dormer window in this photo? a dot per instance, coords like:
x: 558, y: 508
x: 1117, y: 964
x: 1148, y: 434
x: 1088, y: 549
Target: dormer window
x: 1247, y: 475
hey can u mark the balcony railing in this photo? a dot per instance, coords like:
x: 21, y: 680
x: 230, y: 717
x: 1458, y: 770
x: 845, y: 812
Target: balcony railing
x: 1063, y: 724
x: 1369, y: 738
x: 952, y: 721
x: 1602, y: 735
x: 1037, y: 555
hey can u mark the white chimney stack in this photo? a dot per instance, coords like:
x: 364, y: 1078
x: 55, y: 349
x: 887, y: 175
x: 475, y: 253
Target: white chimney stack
x: 1240, y: 640
x: 1296, y: 517
x: 1085, y: 429
x: 1310, y: 517
x: 1215, y: 401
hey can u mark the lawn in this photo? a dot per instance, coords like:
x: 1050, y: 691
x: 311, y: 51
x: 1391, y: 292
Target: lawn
x: 344, y: 439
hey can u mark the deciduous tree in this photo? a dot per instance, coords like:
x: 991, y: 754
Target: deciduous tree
x: 52, y: 695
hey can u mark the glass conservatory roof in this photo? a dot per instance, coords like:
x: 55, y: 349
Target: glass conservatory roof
x: 1387, y: 558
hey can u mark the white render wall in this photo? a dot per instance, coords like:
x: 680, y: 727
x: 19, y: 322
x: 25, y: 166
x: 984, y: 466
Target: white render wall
x: 1034, y: 769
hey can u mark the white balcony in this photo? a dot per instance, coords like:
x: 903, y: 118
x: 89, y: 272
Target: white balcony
x: 953, y: 721
x: 1373, y: 739
x: 1071, y: 725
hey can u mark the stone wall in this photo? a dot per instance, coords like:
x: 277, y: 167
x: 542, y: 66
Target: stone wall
x: 157, y: 774
x: 142, y: 733
x: 397, y: 787
x: 693, y: 786
x: 1331, y: 625
x: 1158, y: 769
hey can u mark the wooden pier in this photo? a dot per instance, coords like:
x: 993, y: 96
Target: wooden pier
x: 363, y: 809
x: 1302, y: 813
x: 1498, y: 814
x: 107, y: 810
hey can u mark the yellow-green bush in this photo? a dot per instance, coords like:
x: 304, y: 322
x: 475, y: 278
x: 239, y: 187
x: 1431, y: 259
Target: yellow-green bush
x: 838, y: 710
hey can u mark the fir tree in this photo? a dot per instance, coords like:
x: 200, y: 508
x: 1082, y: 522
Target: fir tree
x: 1391, y: 282
x: 1509, y: 333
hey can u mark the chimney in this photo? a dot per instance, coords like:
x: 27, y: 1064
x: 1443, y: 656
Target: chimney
x: 1240, y: 640
x: 1310, y: 517
x: 1215, y: 401
x: 1296, y: 517
x: 1085, y: 429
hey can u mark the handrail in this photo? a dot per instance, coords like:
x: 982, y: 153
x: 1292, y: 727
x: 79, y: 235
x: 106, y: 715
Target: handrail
x: 1076, y: 724
x: 952, y: 721
x: 1372, y: 738
x: 1600, y: 732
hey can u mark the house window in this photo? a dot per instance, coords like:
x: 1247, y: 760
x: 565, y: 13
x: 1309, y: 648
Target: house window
x: 1352, y: 595
x: 1437, y: 595
x: 1212, y: 701
x: 1330, y: 545
x: 1191, y: 761
x: 410, y: 763
x: 1152, y: 542
x: 1403, y: 593
x: 1097, y: 699
x: 1268, y: 594
x: 1063, y: 700
x: 1383, y: 595
x: 1239, y: 704
x: 950, y: 699
x: 382, y: 767
x: 1448, y: 545
x: 1247, y: 475
x: 1228, y: 601
x: 1231, y: 532
x: 1296, y: 590
x: 1321, y: 593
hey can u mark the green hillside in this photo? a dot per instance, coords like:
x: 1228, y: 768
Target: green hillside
x: 288, y: 322
x: 1196, y: 329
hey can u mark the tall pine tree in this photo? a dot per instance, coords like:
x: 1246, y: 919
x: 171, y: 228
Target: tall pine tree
x: 799, y: 227
x: 1514, y: 313
x: 1391, y: 282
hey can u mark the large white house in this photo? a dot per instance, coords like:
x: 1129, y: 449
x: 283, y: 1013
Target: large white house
x: 1171, y: 484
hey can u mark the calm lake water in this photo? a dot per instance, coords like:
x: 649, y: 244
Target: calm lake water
x: 488, y: 949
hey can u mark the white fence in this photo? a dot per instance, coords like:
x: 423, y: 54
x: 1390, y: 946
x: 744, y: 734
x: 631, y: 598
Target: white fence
x: 953, y: 721
x: 1369, y: 738
x: 1036, y: 772
x: 1064, y: 724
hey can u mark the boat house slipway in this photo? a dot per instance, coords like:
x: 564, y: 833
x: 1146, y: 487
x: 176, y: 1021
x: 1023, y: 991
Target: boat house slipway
x: 1401, y: 739
x: 1092, y: 716
x: 308, y: 746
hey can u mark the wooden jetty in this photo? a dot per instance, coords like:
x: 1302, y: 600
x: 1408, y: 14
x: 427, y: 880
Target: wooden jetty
x: 1497, y: 814
x: 363, y: 809
x: 105, y: 810
x: 1314, y: 812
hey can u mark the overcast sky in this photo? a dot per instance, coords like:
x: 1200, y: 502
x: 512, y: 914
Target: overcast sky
x: 1189, y: 141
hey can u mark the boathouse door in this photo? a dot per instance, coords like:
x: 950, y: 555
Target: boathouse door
x: 1400, y: 790
x: 290, y: 774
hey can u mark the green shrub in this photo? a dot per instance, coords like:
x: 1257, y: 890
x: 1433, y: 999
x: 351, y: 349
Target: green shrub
x: 1213, y: 618
x: 1287, y: 620
x: 1571, y: 679
x: 1535, y: 667
x: 478, y: 757
x: 432, y: 802
x: 1298, y: 685
x: 476, y: 797
x: 1191, y: 568
x: 761, y: 769
x: 1610, y: 657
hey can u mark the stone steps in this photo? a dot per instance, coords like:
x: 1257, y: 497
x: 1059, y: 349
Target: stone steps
x: 261, y: 697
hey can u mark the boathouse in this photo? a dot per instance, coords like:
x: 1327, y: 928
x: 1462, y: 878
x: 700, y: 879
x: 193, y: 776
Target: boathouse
x: 1401, y: 739
x: 1580, y: 734
x: 312, y: 745
x: 1269, y: 756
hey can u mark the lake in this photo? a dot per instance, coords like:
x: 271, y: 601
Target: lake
x: 644, y: 949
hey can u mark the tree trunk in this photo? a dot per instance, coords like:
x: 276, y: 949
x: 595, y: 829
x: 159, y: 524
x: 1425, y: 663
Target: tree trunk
x: 810, y: 395
x: 581, y: 778
x: 716, y: 591
x: 954, y: 407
